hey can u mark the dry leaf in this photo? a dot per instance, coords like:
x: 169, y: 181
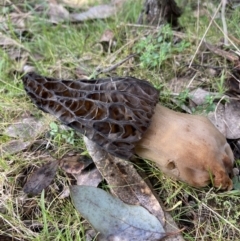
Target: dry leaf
x: 89, y: 178
x: 13, y: 147
x: 81, y: 72
x: 96, y: 12
x: 41, y: 178
x: 90, y: 235
x: 218, y: 118
x: 226, y: 119
x: 118, y: 3
x: 232, y: 117
x: 57, y: 13
x: 74, y: 164
x: 17, y: 21
x: 107, y: 40
x: 225, y: 54
x: 124, y: 180
x: 126, y: 184
x: 27, y: 128
x: 28, y: 68
x: 15, y: 54
x: 198, y: 96
x: 78, y: 3
x: 6, y: 41
x: 65, y: 193
x: 107, y: 36
x: 233, y: 82
x: 114, y: 219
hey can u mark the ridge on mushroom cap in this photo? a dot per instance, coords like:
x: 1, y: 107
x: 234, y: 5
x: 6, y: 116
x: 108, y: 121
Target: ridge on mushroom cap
x: 113, y: 112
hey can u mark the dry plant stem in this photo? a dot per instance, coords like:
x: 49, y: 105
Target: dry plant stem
x: 199, y: 45
x: 99, y: 71
x: 224, y: 2
x: 188, y: 148
x: 228, y: 37
x: 229, y: 56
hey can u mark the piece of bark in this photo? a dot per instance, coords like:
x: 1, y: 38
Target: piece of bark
x: 157, y: 12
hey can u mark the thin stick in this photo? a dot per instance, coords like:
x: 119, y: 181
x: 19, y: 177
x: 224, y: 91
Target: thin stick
x: 204, y: 35
x: 229, y: 39
x: 99, y: 71
x: 224, y: 2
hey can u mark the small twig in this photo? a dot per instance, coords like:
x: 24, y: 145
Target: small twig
x: 218, y: 104
x: 204, y: 35
x: 143, y: 26
x: 209, y: 66
x: 15, y: 7
x: 190, y: 82
x: 224, y: 2
x: 229, y: 39
x: 230, y: 56
x: 99, y: 71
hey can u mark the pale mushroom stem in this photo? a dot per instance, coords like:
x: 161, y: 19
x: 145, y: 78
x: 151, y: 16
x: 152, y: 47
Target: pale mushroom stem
x: 188, y: 148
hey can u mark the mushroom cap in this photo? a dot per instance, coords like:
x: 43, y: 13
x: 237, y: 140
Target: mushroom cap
x: 113, y: 112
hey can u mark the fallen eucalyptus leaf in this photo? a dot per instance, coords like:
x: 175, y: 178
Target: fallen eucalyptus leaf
x: 126, y: 184
x: 124, y: 181
x: 41, y: 178
x: 96, y: 12
x: 27, y: 128
x: 114, y: 219
x: 236, y: 182
x: 13, y: 147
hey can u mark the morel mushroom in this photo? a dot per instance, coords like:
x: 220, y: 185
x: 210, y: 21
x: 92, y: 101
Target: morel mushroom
x: 118, y: 114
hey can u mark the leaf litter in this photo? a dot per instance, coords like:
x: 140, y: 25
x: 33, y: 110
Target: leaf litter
x: 114, y: 219
x: 13, y: 147
x: 71, y: 163
x: 57, y: 12
x: 24, y: 131
x: 223, y: 106
x: 77, y: 165
x: 126, y: 184
x: 41, y: 178
x: 227, y: 116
